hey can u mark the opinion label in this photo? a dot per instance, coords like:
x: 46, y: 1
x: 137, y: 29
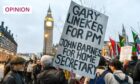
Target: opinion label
x: 21, y: 9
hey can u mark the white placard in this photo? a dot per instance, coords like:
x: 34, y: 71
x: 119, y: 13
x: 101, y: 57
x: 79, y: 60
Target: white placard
x: 126, y: 53
x: 82, y: 40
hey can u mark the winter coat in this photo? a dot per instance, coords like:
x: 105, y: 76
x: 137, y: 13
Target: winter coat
x: 51, y: 76
x: 36, y: 69
x: 136, y: 74
x: 121, y: 75
x: 14, y: 77
x: 130, y: 68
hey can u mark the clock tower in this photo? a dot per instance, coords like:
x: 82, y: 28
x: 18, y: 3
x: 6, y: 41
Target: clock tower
x: 48, y: 33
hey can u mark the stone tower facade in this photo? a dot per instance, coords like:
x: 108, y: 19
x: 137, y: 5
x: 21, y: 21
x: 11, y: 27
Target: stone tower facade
x: 48, y: 33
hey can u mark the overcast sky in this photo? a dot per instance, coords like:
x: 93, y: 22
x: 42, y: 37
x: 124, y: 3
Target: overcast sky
x: 28, y: 28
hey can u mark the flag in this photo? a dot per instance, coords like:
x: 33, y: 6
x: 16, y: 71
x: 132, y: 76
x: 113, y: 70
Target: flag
x: 122, y: 40
x: 113, y: 44
x: 134, y: 49
x: 135, y: 36
x: 136, y: 46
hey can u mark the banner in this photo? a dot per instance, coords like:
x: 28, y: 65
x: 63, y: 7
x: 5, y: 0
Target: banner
x: 126, y: 53
x: 82, y: 40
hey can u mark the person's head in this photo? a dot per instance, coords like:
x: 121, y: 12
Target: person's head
x: 102, y: 63
x: 126, y: 62
x: 46, y: 61
x: 34, y: 59
x: 115, y: 64
x: 107, y: 59
x: 82, y: 79
x: 134, y: 58
x: 17, y: 63
x: 38, y: 62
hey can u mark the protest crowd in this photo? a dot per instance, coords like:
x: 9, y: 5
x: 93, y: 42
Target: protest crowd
x: 41, y: 71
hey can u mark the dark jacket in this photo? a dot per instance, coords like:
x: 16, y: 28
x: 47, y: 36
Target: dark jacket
x: 51, y: 76
x: 36, y: 69
x: 136, y: 74
x: 130, y: 68
x: 14, y: 77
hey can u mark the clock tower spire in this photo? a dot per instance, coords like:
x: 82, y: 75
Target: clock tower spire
x: 48, y: 33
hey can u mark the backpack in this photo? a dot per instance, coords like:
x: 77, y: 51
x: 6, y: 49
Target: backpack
x: 99, y: 79
x: 125, y: 81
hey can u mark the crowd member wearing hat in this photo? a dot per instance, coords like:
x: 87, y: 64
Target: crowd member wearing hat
x: 116, y: 67
x: 15, y: 75
x: 49, y: 74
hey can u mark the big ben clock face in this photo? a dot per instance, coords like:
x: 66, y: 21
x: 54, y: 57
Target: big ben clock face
x: 49, y: 23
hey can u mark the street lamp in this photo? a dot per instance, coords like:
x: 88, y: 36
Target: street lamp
x: 46, y: 35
